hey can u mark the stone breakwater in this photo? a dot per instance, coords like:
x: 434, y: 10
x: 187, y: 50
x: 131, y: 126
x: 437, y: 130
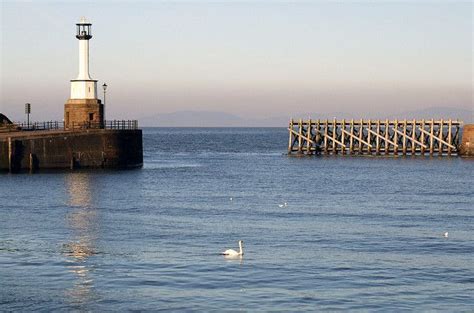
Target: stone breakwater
x: 467, y: 143
x: 60, y: 149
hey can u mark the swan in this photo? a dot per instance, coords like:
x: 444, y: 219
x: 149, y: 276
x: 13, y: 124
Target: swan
x: 445, y: 235
x: 233, y: 253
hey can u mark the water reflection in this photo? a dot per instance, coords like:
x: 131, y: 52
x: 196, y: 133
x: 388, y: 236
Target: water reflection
x: 78, y: 187
x: 234, y: 259
x: 83, y: 222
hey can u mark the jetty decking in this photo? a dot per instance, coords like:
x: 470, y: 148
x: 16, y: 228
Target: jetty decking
x: 374, y: 137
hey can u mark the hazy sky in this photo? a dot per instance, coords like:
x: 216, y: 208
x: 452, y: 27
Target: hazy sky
x: 250, y: 58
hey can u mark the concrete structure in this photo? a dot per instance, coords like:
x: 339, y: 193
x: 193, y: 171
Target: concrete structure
x: 467, y: 143
x: 62, y: 149
x: 83, y: 107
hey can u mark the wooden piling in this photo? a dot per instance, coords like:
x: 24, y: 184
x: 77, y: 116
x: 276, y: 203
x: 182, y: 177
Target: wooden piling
x: 369, y: 126
x: 351, y: 139
x: 395, y: 136
x: 318, y: 148
x: 326, y: 126
x: 343, y: 130
x: 300, y: 136
x: 449, y: 136
x: 431, y: 136
x: 308, y: 138
x: 404, y: 145
x: 440, y: 137
x: 290, y: 140
x: 377, y: 150
x: 422, y: 136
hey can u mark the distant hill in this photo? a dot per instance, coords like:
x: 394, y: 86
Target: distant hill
x: 464, y: 115
x: 193, y: 119
x: 222, y: 119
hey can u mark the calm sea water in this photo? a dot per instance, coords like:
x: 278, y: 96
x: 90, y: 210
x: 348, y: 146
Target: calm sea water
x: 357, y: 232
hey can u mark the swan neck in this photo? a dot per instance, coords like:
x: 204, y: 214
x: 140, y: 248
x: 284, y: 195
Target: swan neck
x: 240, y: 247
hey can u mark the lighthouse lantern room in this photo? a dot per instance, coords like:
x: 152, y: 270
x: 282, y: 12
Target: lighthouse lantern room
x: 83, y: 109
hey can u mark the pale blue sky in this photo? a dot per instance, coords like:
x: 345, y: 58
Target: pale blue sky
x: 250, y: 58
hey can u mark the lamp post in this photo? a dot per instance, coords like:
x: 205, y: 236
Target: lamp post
x: 27, y: 112
x: 104, y: 86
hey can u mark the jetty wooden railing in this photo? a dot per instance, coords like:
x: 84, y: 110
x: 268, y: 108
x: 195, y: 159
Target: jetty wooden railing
x: 374, y: 137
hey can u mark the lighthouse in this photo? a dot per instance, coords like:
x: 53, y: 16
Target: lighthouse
x: 83, y: 109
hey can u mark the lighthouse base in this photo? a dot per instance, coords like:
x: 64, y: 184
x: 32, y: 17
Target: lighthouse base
x: 83, y: 113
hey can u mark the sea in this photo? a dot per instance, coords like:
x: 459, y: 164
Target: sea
x: 321, y: 233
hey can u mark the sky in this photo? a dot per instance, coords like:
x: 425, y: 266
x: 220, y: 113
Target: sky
x: 254, y: 59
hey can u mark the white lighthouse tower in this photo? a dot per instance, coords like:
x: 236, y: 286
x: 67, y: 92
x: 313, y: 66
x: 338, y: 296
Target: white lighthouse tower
x: 83, y: 109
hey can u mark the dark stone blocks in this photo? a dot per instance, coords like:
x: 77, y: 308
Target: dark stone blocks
x: 93, y: 148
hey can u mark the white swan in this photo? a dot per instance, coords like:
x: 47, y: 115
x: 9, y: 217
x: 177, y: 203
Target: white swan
x: 445, y: 235
x: 233, y: 253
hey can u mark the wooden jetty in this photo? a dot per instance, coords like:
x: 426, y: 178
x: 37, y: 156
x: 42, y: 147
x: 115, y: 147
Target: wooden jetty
x: 374, y: 137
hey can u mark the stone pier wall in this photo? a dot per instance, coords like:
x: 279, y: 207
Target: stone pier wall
x: 467, y: 143
x: 94, y: 148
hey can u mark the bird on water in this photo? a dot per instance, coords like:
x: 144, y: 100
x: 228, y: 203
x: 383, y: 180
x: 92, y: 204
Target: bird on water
x: 232, y: 252
x: 445, y: 235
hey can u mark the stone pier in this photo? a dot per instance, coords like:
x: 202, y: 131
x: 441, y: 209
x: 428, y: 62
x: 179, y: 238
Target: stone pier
x: 467, y: 143
x: 62, y: 149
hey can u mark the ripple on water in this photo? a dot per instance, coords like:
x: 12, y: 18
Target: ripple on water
x: 357, y: 234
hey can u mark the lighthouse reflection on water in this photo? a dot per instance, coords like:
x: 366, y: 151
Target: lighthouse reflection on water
x: 83, y: 223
